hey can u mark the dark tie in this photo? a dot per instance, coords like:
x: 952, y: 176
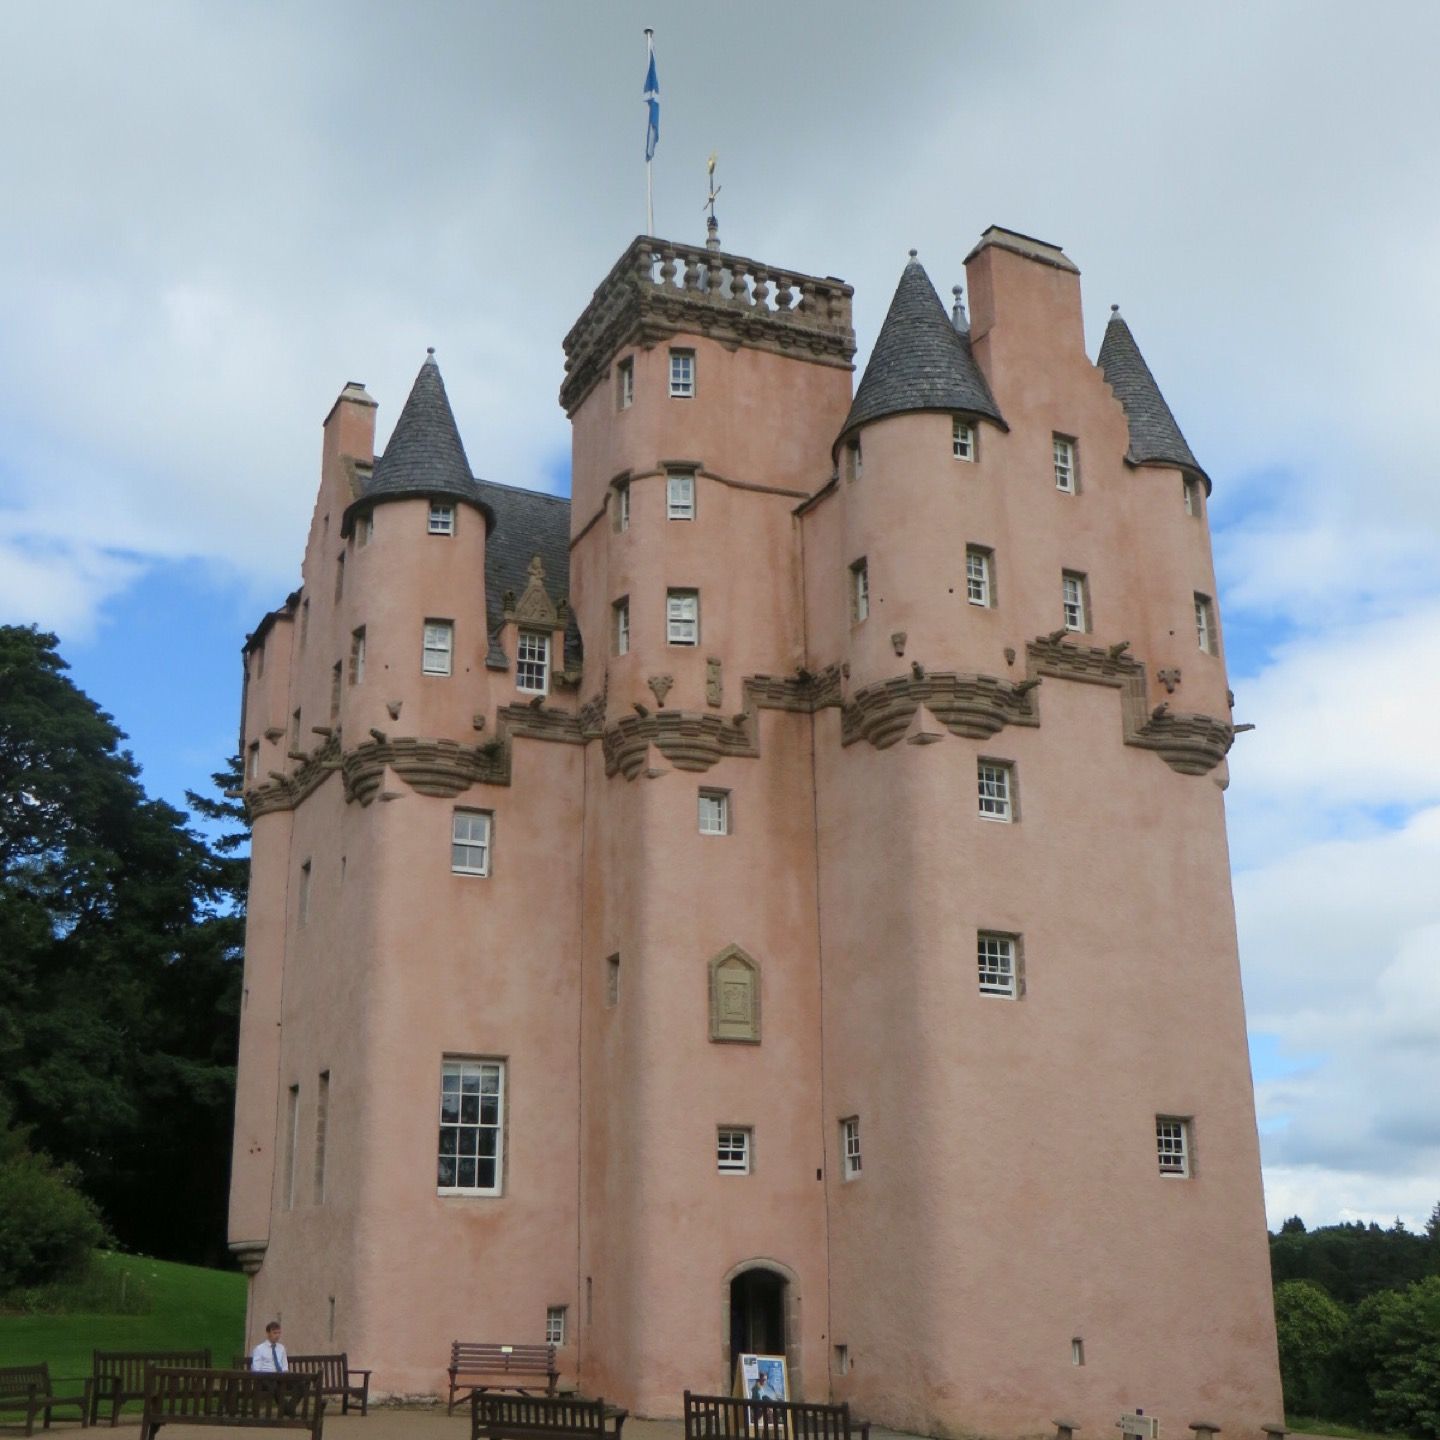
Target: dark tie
x: 274, y: 1357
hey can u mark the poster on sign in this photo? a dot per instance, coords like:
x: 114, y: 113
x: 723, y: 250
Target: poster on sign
x: 763, y: 1377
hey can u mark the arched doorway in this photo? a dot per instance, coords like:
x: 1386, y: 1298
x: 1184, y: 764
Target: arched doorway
x: 762, y: 1311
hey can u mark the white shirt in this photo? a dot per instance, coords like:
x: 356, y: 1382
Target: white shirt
x: 269, y: 1359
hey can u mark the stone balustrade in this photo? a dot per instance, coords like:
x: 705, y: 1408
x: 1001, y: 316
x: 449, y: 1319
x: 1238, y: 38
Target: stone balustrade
x: 659, y: 289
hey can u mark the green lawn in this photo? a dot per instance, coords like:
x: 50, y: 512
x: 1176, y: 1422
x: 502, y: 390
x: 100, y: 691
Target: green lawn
x: 1308, y: 1425
x: 192, y: 1308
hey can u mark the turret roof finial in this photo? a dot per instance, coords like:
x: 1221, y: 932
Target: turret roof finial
x: 914, y: 254
x: 712, y: 225
x: 958, y: 318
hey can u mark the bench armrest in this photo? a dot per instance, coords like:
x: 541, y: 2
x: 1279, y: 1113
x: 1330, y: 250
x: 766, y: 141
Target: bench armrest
x: 365, y: 1373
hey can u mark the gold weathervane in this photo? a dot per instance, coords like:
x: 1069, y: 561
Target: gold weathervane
x: 714, y: 188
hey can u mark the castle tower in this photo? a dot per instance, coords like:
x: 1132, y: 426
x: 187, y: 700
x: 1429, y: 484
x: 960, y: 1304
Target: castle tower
x: 776, y: 900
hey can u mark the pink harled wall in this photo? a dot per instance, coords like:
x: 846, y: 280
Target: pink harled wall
x: 662, y: 1231
x: 1010, y: 1202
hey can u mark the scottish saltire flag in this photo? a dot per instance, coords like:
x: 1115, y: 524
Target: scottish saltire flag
x: 652, y: 99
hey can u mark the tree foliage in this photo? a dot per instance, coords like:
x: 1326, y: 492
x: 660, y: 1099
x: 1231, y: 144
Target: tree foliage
x: 1311, y: 1329
x: 1353, y: 1260
x: 120, y: 941
x: 1395, y: 1342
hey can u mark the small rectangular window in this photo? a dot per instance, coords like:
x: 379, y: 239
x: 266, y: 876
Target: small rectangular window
x: 850, y: 1147
x: 472, y: 1127
x: 439, y: 637
x: 714, y: 812
x: 963, y: 440
x: 340, y: 577
x: 304, y: 622
x: 337, y: 683
x: 1075, y: 600
x: 680, y: 495
x: 997, y: 962
x: 682, y: 617
x: 612, y: 980
x: 532, y: 662
x: 682, y: 374
x: 996, y: 800
x: 303, y: 900
x: 842, y: 1359
x: 1194, y: 501
x: 1066, y: 473
x: 365, y: 529
x: 620, y: 625
x: 854, y: 460
x: 357, y: 656
x: 442, y: 518
x: 622, y: 505
x: 1205, y: 624
x: 732, y: 1151
x: 1172, y: 1145
x: 296, y: 730
x: 860, y: 591
x: 555, y: 1325
x: 979, y: 576
x: 322, y: 1116
x: 252, y: 761
x: 625, y: 384
x: 470, y: 842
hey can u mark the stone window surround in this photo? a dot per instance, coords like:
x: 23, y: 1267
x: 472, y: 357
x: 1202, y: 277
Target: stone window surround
x: 745, y: 1030
x: 442, y: 518
x: 985, y: 556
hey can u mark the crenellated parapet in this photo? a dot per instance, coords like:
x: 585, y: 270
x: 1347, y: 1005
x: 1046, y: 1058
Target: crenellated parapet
x: 658, y: 289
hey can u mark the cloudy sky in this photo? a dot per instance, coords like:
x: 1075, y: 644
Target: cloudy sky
x: 212, y: 216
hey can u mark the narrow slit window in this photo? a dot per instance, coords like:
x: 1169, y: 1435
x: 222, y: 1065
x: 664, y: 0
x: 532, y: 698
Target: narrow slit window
x: 850, y: 1147
x: 322, y: 1118
x: 860, y: 591
x: 621, y: 625
x: 357, y: 656
x: 854, y: 459
x: 337, y: 682
x: 622, y: 505
x: 1066, y: 472
x: 625, y: 384
x: 1205, y: 624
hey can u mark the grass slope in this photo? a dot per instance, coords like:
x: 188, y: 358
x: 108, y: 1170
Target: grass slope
x: 192, y: 1308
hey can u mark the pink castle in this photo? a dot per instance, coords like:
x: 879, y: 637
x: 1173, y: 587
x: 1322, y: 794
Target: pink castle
x: 776, y: 900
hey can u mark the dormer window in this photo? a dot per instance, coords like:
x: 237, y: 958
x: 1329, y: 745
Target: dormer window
x: 442, y: 518
x: 963, y: 440
x: 532, y: 662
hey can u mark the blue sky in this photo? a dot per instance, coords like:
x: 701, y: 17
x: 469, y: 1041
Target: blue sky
x: 217, y: 216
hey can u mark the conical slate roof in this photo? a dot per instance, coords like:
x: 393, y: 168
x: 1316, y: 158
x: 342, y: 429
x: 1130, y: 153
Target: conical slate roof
x: 920, y: 361
x: 1154, y: 435
x: 425, y: 455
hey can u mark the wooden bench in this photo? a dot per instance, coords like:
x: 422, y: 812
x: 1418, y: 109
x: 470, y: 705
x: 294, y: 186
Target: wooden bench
x: 725, y: 1417
x: 336, y: 1378
x: 542, y: 1417
x: 237, y: 1399
x: 500, y: 1367
x: 119, y: 1375
x: 29, y: 1388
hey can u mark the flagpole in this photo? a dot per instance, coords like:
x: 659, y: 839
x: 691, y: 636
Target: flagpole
x: 649, y: 185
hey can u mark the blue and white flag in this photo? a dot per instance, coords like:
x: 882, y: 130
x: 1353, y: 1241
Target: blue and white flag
x: 652, y: 100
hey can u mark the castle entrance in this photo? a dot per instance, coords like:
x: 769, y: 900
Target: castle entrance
x: 757, y: 1314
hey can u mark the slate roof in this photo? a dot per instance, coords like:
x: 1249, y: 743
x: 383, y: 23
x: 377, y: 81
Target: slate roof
x: 920, y: 361
x: 425, y: 455
x: 527, y: 523
x: 1155, y: 438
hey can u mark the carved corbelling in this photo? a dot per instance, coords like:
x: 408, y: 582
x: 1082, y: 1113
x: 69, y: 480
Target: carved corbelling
x: 692, y: 741
x: 285, y: 792
x: 1188, y: 743
x: 973, y: 705
x: 249, y: 1254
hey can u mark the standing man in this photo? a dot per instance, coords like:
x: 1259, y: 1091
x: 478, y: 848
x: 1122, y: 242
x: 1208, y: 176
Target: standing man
x: 269, y: 1357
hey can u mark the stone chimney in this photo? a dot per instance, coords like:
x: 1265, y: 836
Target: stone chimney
x: 1024, y: 305
x: 349, y: 428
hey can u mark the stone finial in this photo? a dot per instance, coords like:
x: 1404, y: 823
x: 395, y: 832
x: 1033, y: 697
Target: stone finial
x: 958, y: 318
